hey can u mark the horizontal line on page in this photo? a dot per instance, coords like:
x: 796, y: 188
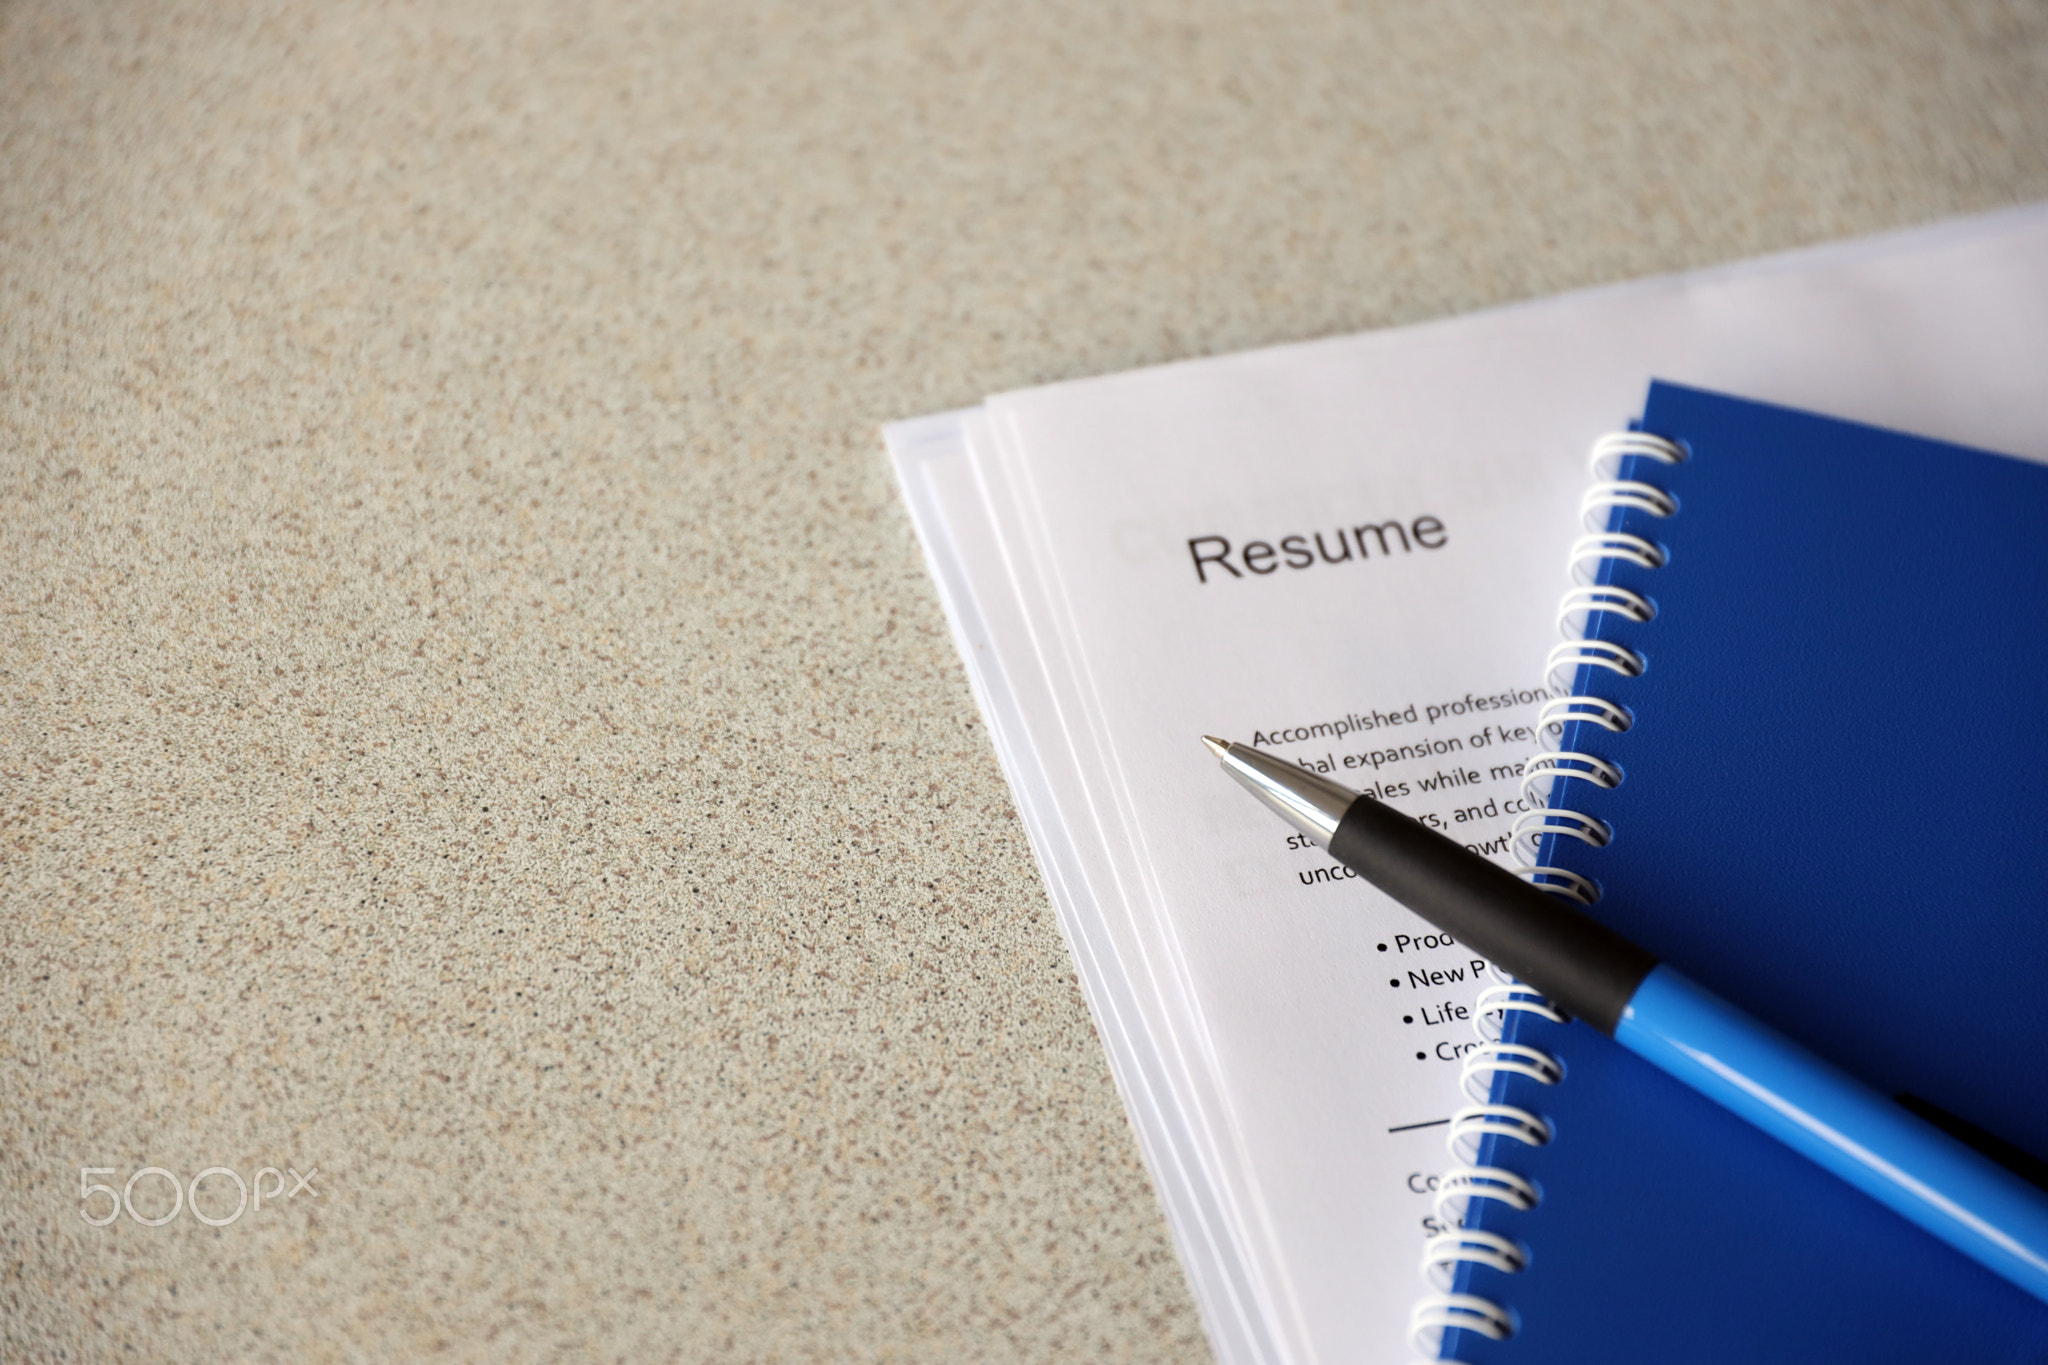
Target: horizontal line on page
x: 1411, y: 1127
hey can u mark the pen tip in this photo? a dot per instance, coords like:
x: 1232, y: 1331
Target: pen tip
x: 1217, y: 746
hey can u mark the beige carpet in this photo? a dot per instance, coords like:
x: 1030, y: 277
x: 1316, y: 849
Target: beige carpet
x: 476, y: 725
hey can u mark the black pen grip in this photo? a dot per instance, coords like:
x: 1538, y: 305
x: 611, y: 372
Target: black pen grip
x: 1584, y: 967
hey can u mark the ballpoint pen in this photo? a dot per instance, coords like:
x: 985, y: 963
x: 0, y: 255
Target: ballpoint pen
x: 1601, y: 978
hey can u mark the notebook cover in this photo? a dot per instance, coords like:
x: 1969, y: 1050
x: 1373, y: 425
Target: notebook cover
x: 1834, y: 813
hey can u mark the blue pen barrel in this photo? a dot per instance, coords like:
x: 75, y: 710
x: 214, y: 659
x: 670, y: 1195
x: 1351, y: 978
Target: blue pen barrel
x: 1962, y: 1197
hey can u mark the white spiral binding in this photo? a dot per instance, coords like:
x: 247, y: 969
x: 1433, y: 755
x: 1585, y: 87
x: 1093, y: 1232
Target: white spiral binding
x: 1439, y: 1312
x: 1570, y: 656
x: 1465, y: 1182
x: 1561, y: 881
x: 1476, y: 1122
x: 1588, y: 551
x: 1482, y: 1062
x: 1460, y: 1185
x: 1610, y: 450
x: 1527, y: 834
x: 1442, y: 1254
x: 1631, y: 494
x: 1490, y: 1011
x: 1544, y: 769
x: 1581, y: 603
x: 1586, y: 599
x: 1562, y: 711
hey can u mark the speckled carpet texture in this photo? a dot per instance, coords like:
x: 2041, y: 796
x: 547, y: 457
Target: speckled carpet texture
x: 500, y: 860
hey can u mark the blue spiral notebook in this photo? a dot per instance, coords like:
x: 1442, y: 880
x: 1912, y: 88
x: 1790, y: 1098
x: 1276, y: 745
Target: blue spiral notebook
x: 1821, y: 791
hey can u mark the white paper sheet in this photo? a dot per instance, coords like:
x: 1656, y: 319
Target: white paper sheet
x: 1270, y: 1067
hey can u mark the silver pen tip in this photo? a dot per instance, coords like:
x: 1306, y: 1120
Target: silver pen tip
x: 1218, y: 747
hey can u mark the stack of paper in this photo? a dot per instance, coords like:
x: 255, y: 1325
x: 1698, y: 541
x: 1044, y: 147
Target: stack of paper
x: 1350, y: 552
